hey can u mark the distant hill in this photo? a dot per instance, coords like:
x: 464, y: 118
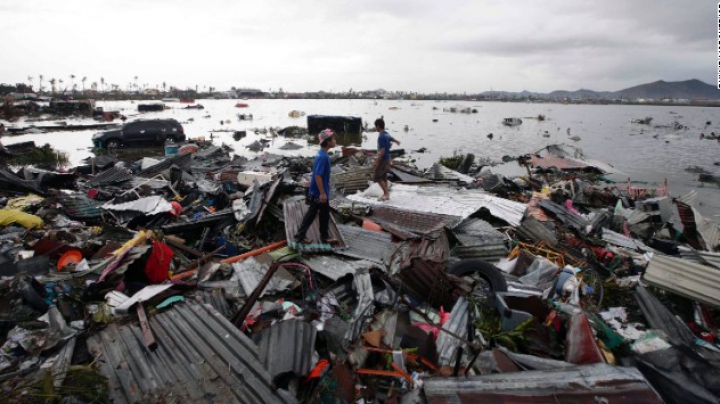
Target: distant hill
x: 689, y: 89
x: 582, y: 93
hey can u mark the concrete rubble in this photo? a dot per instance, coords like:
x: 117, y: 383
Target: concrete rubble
x: 177, y: 280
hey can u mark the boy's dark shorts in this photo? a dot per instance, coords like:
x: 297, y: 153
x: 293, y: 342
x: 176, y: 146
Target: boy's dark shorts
x: 381, y: 172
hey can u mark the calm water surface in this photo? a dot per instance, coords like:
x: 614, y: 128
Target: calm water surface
x: 643, y: 153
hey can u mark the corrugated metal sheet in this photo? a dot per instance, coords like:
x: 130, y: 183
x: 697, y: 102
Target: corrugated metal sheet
x: 448, y: 345
x: 660, y: 318
x: 429, y: 282
x: 80, y: 207
x: 365, y: 306
x: 477, y: 232
x: 709, y: 232
x: 182, y: 161
x: 710, y: 258
x: 598, y: 383
x: 490, y: 252
x: 294, y: 210
x: 217, y: 300
x: 688, y: 198
x: 533, y: 229
x: 357, y: 179
x: 288, y: 347
x: 437, y: 250
x: 335, y: 267
x: 636, y: 216
x: 687, y: 216
x: 368, y: 245
x: 443, y: 200
x: 200, y: 356
x: 561, y: 163
x: 685, y: 278
x: 624, y: 241
x: 113, y: 175
x: 422, y: 224
x: 250, y: 272
x: 562, y: 213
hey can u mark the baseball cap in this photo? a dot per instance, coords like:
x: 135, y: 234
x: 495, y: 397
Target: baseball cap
x: 325, y: 135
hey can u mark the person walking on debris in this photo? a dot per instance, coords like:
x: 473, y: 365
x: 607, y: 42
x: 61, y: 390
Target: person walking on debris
x: 318, y: 192
x: 382, y: 161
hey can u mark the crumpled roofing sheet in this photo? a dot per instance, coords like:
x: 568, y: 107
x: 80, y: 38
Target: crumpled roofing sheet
x: 294, y: 210
x: 476, y: 232
x: 685, y: 278
x: 448, y: 345
x: 150, y: 205
x: 709, y: 231
x: 200, y: 357
x: 112, y: 175
x: 598, y: 383
x: 288, y: 347
x: 424, y: 224
x: 335, y: 267
x: 443, y: 200
x: 374, y: 246
x: 624, y: 241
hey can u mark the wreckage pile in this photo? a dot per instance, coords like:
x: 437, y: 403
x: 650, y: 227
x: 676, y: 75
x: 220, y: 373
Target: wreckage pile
x: 178, y: 280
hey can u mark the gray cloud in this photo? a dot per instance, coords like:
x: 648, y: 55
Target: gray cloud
x: 413, y: 45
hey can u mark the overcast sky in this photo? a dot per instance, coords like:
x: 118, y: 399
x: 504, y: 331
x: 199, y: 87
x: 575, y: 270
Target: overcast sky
x: 408, y: 45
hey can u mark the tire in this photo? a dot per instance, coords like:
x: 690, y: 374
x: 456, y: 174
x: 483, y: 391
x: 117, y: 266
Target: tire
x: 113, y: 143
x: 482, y: 269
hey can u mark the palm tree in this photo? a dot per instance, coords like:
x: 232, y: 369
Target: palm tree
x: 41, y: 83
x: 30, y: 80
x: 84, y: 79
x: 72, y: 81
x: 102, y: 83
x: 52, y: 84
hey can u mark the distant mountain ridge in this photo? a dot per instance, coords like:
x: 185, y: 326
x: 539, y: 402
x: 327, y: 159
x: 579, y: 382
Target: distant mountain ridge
x: 689, y: 89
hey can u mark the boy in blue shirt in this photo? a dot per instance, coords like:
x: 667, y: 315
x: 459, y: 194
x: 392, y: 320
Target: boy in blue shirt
x: 382, y: 161
x: 319, y: 191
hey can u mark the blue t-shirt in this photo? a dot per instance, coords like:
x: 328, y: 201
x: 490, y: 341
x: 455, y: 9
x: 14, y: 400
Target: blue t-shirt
x: 321, y: 167
x: 384, y: 142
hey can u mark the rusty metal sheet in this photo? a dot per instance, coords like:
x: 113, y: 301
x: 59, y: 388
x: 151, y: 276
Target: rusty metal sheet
x: 580, y: 344
x: 429, y: 282
x: 432, y: 250
x: 422, y: 224
x: 200, y: 356
x: 580, y: 384
x: 294, y: 210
